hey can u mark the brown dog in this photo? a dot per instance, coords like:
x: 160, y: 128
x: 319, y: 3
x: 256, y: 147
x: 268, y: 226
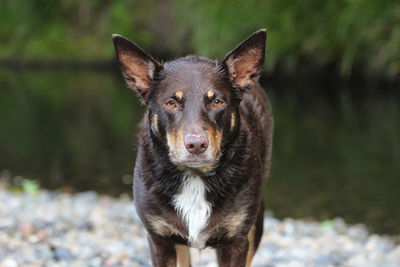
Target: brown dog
x: 204, y: 152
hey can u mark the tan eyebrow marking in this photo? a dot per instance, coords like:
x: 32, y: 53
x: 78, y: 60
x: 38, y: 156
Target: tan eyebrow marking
x: 179, y: 94
x: 210, y: 93
x: 233, y: 120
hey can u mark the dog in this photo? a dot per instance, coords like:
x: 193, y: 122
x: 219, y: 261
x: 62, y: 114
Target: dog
x: 204, y: 151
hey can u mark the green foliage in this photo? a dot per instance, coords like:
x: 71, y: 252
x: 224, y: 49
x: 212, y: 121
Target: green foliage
x: 327, y: 224
x: 37, y: 29
x: 30, y: 186
x: 348, y: 32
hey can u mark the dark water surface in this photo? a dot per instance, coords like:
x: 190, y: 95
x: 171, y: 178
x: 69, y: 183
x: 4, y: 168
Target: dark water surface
x: 336, y: 146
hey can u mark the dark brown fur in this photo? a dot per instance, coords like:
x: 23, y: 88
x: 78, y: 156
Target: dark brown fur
x: 237, y: 158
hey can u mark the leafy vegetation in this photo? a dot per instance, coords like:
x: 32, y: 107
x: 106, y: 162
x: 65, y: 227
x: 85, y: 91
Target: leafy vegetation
x: 359, y: 32
x: 347, y: 32
x: 69, y: 29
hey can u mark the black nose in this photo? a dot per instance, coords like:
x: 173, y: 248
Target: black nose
x: 196, y: 143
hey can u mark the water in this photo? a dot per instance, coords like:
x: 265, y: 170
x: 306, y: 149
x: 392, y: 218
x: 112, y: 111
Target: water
x: 336, y: 146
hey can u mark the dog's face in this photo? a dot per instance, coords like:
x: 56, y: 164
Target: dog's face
x: 193, y: 107
x: 193, y: 102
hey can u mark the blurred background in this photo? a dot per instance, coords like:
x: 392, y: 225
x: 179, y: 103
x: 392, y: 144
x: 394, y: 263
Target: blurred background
x: 68, y: 121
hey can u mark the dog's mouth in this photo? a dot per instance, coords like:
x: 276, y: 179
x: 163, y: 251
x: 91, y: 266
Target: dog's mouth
x: 187, y: 154
x: 196, y: 164
x: 199, y: 163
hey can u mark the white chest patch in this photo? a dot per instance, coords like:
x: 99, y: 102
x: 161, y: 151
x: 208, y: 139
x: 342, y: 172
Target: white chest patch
x: 193, y: 208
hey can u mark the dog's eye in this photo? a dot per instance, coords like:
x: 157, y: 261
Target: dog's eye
x: 217, y: 103
x: 171, y: 104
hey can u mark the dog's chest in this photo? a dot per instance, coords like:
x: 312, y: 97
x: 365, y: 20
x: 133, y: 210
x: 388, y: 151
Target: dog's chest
x: 193, y: 209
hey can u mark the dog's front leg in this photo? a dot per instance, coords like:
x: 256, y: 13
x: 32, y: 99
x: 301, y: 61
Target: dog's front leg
x: 235, y: 255
x: 163, y: 252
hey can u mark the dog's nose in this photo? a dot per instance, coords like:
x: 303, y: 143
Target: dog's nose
x: 196, y: 143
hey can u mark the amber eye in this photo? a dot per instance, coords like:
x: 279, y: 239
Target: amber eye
x: 217, y: 103
x: 171, y: 104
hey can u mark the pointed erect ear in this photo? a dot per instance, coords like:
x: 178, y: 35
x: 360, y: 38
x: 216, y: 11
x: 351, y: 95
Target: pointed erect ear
x: 245, y: 62
x: 137, y: 67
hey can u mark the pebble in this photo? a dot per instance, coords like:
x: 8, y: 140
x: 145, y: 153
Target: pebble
x: 87, y: 229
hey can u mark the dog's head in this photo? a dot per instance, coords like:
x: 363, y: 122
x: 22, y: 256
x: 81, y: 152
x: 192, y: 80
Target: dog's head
x: 193, y: 102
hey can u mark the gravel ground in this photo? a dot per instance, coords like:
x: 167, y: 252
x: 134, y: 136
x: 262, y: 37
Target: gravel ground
x: 86, y: 229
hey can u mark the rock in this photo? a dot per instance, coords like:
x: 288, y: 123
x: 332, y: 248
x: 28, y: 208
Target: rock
x: 339, y: 225
x: 60, y: 254
x: 322, y: 259
x: 360, y: 260
x: 357, y: 232
x: 377, y: 243
x: 26, y: 229
x: 393, y: 257
x: 9, y: 263
x: 85, y: 229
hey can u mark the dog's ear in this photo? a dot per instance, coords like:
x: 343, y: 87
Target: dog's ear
x: 245, y: 62
x: 137, y: 67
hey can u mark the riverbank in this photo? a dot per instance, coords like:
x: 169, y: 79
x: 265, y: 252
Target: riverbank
x: 47, y: 228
